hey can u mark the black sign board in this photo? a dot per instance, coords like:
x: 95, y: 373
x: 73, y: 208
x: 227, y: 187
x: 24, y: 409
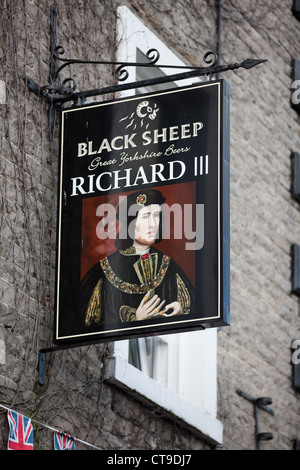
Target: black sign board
x: 143, y: 226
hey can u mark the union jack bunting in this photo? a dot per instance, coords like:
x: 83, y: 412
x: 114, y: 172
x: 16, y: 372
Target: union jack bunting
x: 63, y: 441
x: 20, y: 432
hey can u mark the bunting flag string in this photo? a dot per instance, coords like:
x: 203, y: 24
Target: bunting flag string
x: 63, y: 441
x: 21, y: 433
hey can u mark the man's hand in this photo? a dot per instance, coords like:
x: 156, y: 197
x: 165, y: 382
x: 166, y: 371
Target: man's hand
x: 149, y: 307
x: 175, y: 307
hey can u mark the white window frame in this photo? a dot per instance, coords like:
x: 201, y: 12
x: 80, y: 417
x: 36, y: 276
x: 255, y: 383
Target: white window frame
x: 2, y: 346
x: 188, y: 389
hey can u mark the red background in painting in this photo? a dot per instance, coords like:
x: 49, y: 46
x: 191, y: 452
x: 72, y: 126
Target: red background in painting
x: 93, y: 249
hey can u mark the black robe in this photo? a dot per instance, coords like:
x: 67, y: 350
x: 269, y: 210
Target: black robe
x: 112, y: 289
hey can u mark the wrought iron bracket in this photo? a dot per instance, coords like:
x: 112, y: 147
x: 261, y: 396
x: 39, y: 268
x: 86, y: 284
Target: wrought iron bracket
x: 42, y: 358
x: 259, y: 403
x: 58, y: 92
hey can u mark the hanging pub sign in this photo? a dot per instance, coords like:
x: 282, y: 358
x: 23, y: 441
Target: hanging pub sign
x: 143, y: 226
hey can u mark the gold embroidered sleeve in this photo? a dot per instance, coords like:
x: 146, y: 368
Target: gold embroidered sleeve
x: 93, y: 313
x: 127, y: 313
x: 183, y: 295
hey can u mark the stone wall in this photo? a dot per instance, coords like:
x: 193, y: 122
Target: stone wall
x: 264, y: 224
x: 254, y: 353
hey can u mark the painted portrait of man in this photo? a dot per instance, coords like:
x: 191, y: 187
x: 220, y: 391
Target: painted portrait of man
x: 137, y: 281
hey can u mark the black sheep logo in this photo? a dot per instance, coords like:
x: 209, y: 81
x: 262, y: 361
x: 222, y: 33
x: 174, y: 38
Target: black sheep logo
x: 144, y: 111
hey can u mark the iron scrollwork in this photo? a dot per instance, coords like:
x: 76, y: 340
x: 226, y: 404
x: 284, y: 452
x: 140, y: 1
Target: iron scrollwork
x: 56, y: 94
